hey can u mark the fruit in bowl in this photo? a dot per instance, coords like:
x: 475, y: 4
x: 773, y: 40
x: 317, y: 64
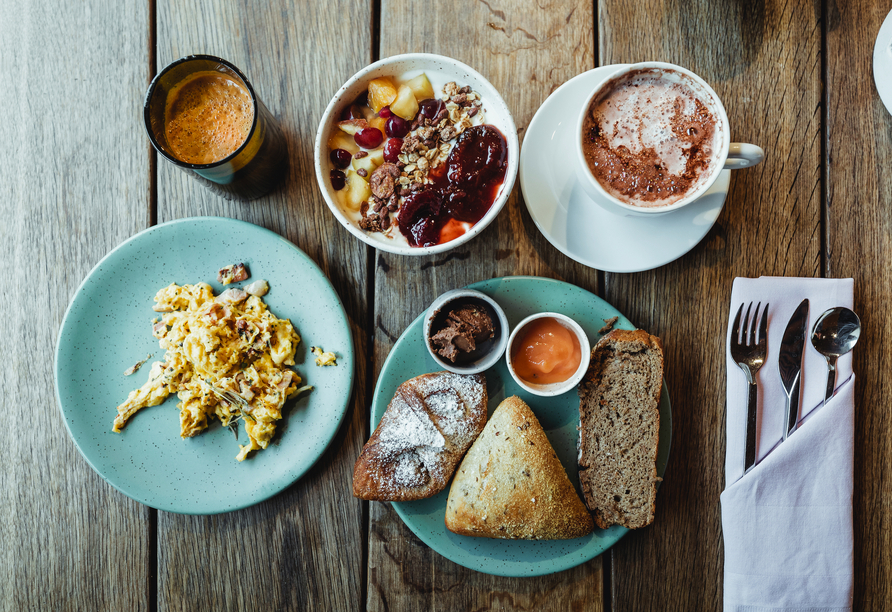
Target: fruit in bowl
x: 422, y: 169
x: 381, y: 93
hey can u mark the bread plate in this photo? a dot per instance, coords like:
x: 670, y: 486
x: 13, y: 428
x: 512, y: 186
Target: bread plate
x: 519, y: 296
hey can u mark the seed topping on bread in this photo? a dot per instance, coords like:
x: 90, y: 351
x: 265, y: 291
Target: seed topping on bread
x: 512, y: 485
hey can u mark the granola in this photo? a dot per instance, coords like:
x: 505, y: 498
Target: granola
x: 422, y: 127
x: 424, y: 149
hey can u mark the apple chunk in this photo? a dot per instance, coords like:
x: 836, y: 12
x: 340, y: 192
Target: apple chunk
x: 370, y: 162
x: 378, y: 123
x: 405, y: 105
x: 358, y: 191
x: 421, y: 87
x: 381, y: 93
x: 342, y: 140
x: 351, y: 126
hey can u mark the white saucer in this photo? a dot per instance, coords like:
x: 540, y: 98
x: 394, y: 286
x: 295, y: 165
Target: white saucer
x: 578, y: 227
x: 882, y: 63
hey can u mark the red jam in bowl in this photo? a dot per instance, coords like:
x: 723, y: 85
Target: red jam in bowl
x: 463, y: 189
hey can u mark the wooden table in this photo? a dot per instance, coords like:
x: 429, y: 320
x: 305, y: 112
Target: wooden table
x: 78, y: 176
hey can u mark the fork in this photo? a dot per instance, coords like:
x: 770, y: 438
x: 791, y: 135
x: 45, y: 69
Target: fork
x: 749, y: 354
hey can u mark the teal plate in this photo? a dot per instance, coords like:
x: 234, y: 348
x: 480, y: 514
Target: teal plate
x: 108, y: 327
x: 519, y: 296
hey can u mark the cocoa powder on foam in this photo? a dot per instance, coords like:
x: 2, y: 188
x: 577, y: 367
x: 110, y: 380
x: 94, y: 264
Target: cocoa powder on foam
x: 649, y: 139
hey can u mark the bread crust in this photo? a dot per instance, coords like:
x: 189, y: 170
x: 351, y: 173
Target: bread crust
x: 512, y: 485
x: 619, y: 423
x: 429, y: 424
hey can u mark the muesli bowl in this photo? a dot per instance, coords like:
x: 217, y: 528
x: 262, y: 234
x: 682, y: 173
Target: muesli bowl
x: 401, y: 69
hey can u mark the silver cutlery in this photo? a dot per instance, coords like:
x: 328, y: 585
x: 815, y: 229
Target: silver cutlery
x: 749, y: 352
x: 835, y: 333
x: 789, y: 363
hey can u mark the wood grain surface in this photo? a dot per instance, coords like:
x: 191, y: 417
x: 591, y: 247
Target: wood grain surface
x: 525, y: 54
x: 70, y: 191
x: 77, y: 177
x: 763, y: 60
x: 301, y: 550
x: 859, y: 245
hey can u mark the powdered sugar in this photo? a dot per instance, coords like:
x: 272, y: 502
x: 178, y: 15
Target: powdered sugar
x: 409, y: 431
x: 429, y: 424
x: 446, y: 404
x: 468, y: 388
x: 450, y: 399
x: 410, y: 471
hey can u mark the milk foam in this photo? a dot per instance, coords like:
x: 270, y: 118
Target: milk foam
x: 657, y: 137
x: 208, y: 116
x: 637, y: 113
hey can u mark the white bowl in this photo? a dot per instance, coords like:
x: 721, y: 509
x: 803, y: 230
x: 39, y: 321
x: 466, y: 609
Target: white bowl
x: 557, y: 388
x: 499, y: 341
x: 440, y: 70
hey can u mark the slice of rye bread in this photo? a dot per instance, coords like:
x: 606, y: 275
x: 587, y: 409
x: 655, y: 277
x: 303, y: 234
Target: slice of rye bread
x: 512, y: 485
x: 619, y: 428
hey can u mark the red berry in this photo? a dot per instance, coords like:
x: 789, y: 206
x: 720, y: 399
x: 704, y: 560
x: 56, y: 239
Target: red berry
x: 430, y: 108
x: 369, y: 138
x: 385, y: 113
x: 396, y: 127
x: 338, y: 180
x: 392, y: 150
x: 340, y: 158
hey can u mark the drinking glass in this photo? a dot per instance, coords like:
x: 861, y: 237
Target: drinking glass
x: 249, y: 172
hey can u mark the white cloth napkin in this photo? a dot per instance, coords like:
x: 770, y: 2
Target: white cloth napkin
x: 787, y: 524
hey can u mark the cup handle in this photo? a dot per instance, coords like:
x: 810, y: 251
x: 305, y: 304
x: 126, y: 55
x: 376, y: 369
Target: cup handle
x: 742, y: 155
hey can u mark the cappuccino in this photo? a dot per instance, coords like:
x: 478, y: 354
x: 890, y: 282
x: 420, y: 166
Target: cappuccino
x: 650, y: 138
x: 202, y: 114
x: 208, y: 116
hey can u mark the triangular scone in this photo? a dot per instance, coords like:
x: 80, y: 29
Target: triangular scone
x: 512, y: 485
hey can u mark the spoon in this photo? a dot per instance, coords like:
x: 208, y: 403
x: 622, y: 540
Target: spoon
x: 835, y: 333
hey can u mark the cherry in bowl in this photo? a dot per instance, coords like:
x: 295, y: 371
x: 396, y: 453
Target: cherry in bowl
x: 369, y: 138
x: 338, y: 180
x: 396, y: 127
x: 392, y: 150
x: 431, y: 107
x: 340, y: 158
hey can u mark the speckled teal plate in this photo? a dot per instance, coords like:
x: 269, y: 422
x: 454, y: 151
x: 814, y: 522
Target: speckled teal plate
x: 108, y: 327
x: 519, y: 296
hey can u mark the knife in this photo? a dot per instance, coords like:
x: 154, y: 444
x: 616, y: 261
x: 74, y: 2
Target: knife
x: 789, y: 363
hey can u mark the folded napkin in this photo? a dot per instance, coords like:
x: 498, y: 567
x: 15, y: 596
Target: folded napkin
x: 787, y: 524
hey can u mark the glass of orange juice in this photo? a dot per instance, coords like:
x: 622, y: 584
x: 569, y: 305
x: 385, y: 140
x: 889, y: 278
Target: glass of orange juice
x: 203, y: 115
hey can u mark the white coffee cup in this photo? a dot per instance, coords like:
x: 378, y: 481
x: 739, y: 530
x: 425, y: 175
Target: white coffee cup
x: 728, y: 155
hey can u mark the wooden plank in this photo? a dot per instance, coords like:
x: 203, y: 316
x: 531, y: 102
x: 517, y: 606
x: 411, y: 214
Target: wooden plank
x: 763, y: 59
x: 300, y: 550
x: 859, y: 197
x: 74, y: 183
x: 526, y: 51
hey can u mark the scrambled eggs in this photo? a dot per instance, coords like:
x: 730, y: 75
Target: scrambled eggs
x: 324, y: 358
x: 227, y: 357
